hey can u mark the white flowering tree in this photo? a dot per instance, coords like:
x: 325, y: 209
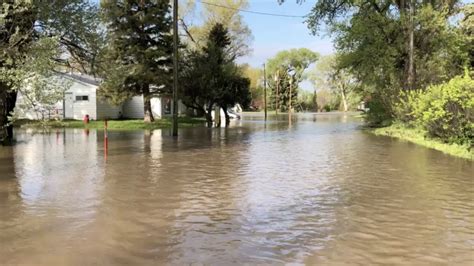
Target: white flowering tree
x: 38, y: 82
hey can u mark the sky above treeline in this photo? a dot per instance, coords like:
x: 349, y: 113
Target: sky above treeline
x: 273, y: 34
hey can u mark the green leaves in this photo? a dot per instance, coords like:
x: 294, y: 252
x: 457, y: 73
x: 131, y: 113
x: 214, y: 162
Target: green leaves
x: 37, y: 40
x: 210, y: 76
x: 137, y: 59
x: 372, y: 39
x: 445, y: 111
x: 296, y: 60
x: 211, y: 14
x: 34, y: 77
x: 285, y: 67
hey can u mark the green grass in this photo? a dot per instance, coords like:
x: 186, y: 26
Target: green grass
x: 418, y: 136
x: 112, y: 124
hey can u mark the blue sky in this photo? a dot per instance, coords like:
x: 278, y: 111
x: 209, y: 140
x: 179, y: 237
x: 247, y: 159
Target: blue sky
x: 273, y: 34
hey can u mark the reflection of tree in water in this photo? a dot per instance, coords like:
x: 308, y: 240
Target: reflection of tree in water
x: 408, y: 204
x: 10, y: 204
x: 58, y: 185
x: 248, y: 193
x: 130, y: 218
x: 209, y: 175
x: 156, y: 200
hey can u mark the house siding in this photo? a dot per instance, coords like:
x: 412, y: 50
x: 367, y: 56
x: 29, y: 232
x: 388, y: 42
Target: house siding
x: 133, y: 108
x: 107, y: 111
x: 82, y: 108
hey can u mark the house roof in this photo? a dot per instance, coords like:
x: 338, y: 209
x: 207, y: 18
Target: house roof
x: 83, y: 78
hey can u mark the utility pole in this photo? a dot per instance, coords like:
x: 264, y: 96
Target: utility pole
x: 289, y: 101
x: 175, y: 68
x: 265, y: 91
x: 277, y: 81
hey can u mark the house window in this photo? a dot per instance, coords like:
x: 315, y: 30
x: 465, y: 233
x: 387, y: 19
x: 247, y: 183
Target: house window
x: 80, y: 98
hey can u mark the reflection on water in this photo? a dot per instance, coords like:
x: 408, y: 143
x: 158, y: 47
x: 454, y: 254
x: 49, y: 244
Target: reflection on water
x: 317, y: 192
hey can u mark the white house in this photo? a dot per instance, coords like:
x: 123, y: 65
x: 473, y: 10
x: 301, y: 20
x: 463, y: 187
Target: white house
x: 81, y: 99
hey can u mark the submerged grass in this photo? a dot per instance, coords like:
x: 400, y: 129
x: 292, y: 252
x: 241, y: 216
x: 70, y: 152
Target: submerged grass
x: 111, y: 124
x: 418, y: 136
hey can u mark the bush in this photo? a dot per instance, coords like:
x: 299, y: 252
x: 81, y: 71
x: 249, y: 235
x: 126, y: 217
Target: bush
x: 446, y: 111
x: 404, y: 110
x: 379, y: 114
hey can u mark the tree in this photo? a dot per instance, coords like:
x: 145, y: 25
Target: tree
x: 40, y: 87
x: 139, y: 47
x: 29, y: 28
x: 327, y: 100
x: 226, y: 13
x: 16, y: 20
x: 256, y: 88
x: 307, y: 100
x: 467, y: 31
x: 211, y: 77
x: 327, y: 75
x: 234, y: 91
x: 404, y: 12
x: 391, y: 46
x: 288, y: 66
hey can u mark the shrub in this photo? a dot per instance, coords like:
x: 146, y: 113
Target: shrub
x: 379, y: 114
x: 446, y: 111
x: 404, y: 110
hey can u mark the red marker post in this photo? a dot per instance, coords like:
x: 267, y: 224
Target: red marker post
x: 86, y: 119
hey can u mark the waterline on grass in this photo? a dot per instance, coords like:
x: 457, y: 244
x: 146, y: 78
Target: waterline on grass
x: 418, y: 136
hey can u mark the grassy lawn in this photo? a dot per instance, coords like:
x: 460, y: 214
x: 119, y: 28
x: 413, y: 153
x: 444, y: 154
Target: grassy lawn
x: 418, y: 136
x: 112, y: 124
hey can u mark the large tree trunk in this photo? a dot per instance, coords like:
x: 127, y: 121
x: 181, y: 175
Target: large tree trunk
x: 217, y: 116
x: 411, y: 46
x: 315, y: 101
x: 7, y: 105
x: 344, y: 100
x: 407, y: 11
x: 227, y: 117
x: 209, y: 115
x: 148, y: 114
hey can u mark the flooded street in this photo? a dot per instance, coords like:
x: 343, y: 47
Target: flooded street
x: 319, y: 191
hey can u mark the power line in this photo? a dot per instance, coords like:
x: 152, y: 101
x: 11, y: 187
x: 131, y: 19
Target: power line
x: 250, y: 11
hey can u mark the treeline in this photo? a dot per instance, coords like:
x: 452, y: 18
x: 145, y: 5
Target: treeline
x: 137, y: 60
x: 333, y: 89
x: 210, y: 77
x: 126, y: 43
x: 411, y: 61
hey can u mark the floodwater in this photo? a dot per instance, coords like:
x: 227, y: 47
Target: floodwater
x: 319, y: 192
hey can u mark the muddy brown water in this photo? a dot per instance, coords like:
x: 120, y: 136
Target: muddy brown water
x: 319, y: 192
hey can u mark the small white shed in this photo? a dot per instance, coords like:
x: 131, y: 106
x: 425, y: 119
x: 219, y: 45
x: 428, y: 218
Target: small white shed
x: 81, y: 99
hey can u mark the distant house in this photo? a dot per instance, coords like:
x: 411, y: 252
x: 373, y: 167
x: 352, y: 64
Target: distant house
x: 81, y: 99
